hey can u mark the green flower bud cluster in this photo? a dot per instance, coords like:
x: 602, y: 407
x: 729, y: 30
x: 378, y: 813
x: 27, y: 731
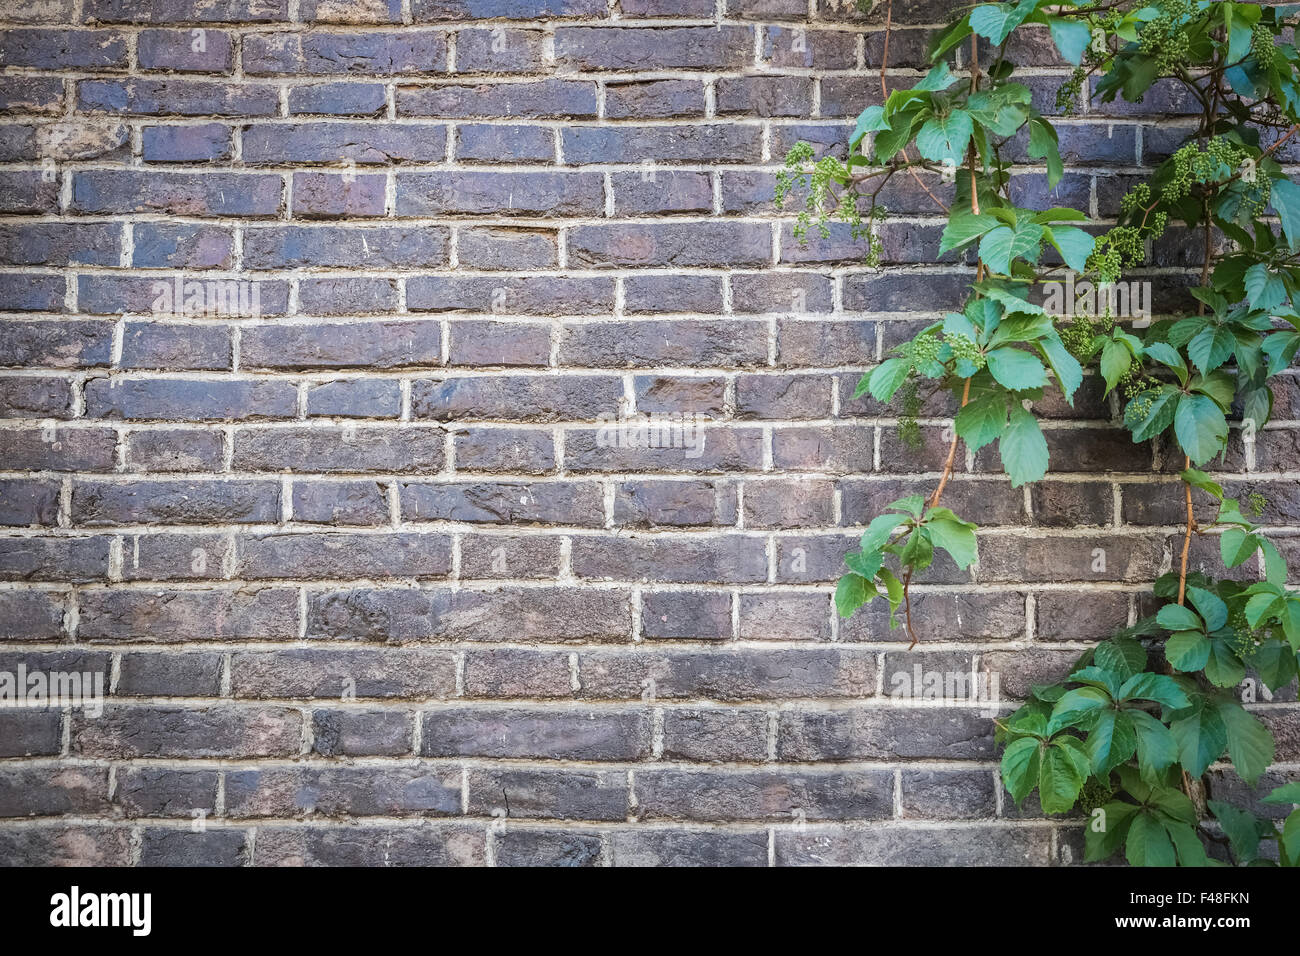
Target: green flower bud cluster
x: 1192, y: 165
x: 1142, y: 400
x: 1244, y: 639
x: 1164, y: 38
x: 1134, y: 382
x: 1078, y: 338
x: 1255, y: 504
x: 925, y: 348
x: 1261, y: 46
x: 1095, y: 793
x: 1067, y: 94
x: 1119, y: 247
x: 965, y: 348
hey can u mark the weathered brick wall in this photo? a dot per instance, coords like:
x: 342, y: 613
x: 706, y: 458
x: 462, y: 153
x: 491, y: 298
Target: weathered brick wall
x: 365, y: 581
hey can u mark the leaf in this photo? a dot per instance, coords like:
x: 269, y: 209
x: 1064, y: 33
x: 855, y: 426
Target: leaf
x: 912, y: 504
x: 1241, y: 827
x: 955, y: 537
x: 1199, y: 479
x: 1148, y: 843
x: 981, y: 421
x: 1121, y: 655
x: 1078, y: 708
x: 1285, y: 198
x: 1069, y: 373
x: 887, y: 377
x: 1201, y: 428
x: 1188, y: 650
x: 1237, y: 547
x: 944, y: 138
x: 1111, y: 741
x: 1264, y: 289
x: 1023, y: 448
x: 1016, y: 370
x: 1161, y: 688
x: 1201, y: 737
x: 1287, y: 793
x: 939, y: 78
x: 1044, y: 145
x: 1156, y: 746
x: 996, y: 20
x: 1020, y: 767
x: 962, y: 228
x: 1210, y: 606
x: 1001, y: 246
x: 865, y: 563
x: 1070, y: 36
x: 1190, y: 850
x: 1223, y: 668
x: 1211, y: 347
x: 1114, y: 820
x: 1115, y: 361
x: 1061, y: 774
x: 1175, y: 617
x: 919, y: 549
x: 870, y: 120
x: 1146, y: 421
x: 1166, y: 354
x: 852, y: 592
x: 1249, y: 743
x: 880, y: 530
x: 1074, y: 245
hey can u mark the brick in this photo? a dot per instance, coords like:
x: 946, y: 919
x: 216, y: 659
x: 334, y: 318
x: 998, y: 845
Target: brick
x: 26, y: 733
x: 703, y: 395
x: 888, y: 846
x: 66, y: 845
x: 319, y: 673
x: 332, y: 143
x: 334, y: 449
x: 435, y: 10
x: 549, y: 794
x: 727, y: 674
x: 502, y: 344
x: 505, y: 614
x: 174, y: 449
x: 425, y: 845
x: 63, y: 49
x: 509, y: 731
x: 664, y: 846
x: 341, y: 555
x: 31, y: 615
x: 24, y: 502
x: 672, y: 294
x: 566, y: 503
x: 713, y: 142
x: 499, y: 50
x: 178, y: 194
x: 764, y: 795
x: 158, y: 346
x: 330, y: 196
x: 165, y: 791
x: 53, y: 791
x: 59, y: 448
x: 188, y: 11
x: 60, y: 244
x: 654, y: 99
x: 340, y: 502
x: 662, y: 191
x: 715, y: 734
x: 64, y: 559
x: 341, y: 791
x: 145, y: 399
x: 686, y: 615
x: 504, y: 449
x: 168, y: 675
x: 508, y: 295
x: 685, y: 245
x: 542, y: 99
x: 225, y: 730
x: 171, y: 847
x: 538, y: 398
x: 35, y: 396
x: 652, y: 503
x: 497, y: 143
x: 487, y: 247
x: 381, y: 53
x: 512, y: 673
x: 730, y: 558
x: 339, y: 99
x: 496, y: 556
x: 175, y: 501
x: 158, y: 245
x: 378, y: 345
x: 479, y: 193
x: 186, y: 51
x: 360, y: 398
x: 885, y: 733
x: 166, y: 616
x: 348, y: 732
x: 185, y: 144
x: 547, y: 848
x: 176, y: 97
x: 657, y: 48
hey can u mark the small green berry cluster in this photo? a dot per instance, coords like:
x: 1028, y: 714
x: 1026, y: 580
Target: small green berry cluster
x: 1118, y: 247
x: 1137, y: 386
x: 924, y: 349
x: 1095, y: 793
x: 1164, y: 38
x: 1194, y: 165
x: 1261, y: 46
x: 1255, y: 504
x: 1067, y: 94
x: 965, y: 349
x: 1244, y: 638
x: 1080, y: 338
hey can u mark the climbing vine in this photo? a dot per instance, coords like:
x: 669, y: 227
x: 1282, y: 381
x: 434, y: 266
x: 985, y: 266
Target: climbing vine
x: 1128, y: 735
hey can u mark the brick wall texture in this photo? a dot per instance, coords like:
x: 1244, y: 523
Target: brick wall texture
x: 313, y: 318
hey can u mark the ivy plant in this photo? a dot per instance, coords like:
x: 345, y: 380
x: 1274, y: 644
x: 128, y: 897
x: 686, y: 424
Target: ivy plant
x: 1127, y: 736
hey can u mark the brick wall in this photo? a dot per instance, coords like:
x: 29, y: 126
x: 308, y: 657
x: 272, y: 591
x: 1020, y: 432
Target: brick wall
x: 366, y: 578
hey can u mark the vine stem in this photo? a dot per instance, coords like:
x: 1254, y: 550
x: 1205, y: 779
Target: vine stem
x: 1187, y: 535
x: 884, y: 94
